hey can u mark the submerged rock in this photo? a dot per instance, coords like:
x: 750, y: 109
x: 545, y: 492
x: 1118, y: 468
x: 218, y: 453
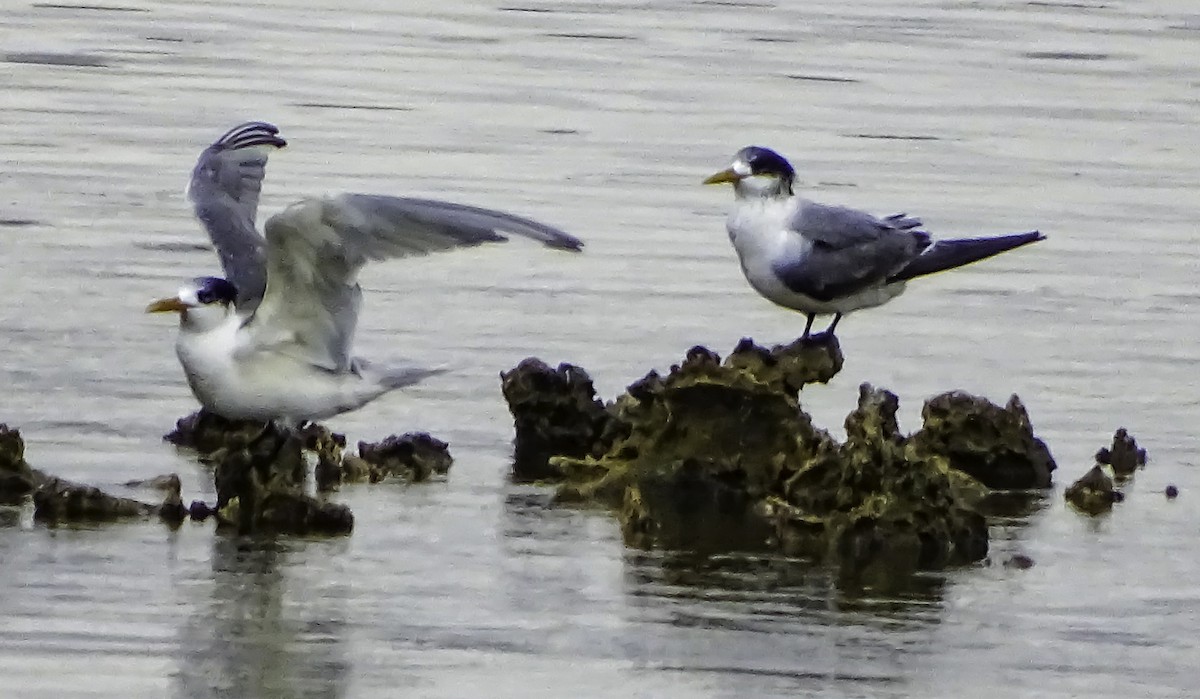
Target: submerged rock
x: 16, y: 477
x: 720, y: 456
x: 1125, y: 456
x: 992, y: 444
x: 1093, y: 493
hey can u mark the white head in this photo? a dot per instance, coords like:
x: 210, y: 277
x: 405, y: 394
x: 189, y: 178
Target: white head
x: 201, y: 305
x: 757, y: 172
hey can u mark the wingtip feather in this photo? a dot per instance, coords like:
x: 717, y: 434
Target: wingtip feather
x: 250, y: 134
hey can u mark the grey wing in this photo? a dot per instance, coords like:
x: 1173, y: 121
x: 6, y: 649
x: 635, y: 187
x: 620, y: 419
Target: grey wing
x: 224, y: 192
x: 848, y: 250
x: 316, y: 247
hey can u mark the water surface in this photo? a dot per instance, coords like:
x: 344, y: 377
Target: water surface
x: 986, y: 117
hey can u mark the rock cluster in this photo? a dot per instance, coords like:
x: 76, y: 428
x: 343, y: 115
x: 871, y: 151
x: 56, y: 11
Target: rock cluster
x: 719, y: 455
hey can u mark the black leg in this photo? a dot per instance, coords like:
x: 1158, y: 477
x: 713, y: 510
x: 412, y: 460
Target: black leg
x: 808, y: 325
x: 833, y: 325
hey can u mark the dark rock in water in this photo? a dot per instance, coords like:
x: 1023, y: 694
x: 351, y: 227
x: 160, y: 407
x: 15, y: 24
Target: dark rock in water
x: 1172, y: 492
x: 172, y: 510
x: 260, y: 487
x: 260, y: 471
x: 167, y: 483
x: 719, y: 456
x: 60, y: 500
x: 415, y: 456
x: 1125, y: 457
x: 992, y: 444
x: 1093, y: 493
x: 200, y: 511
x: 301, y: 514
x: 556, y: 413
x: 881, y: 504
x: 1019, y: 561
x: 16, y: 478
x: 207, y: 432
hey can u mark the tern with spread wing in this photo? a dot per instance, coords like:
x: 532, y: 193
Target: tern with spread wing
x: 272, y: 340
x: 819, y: 259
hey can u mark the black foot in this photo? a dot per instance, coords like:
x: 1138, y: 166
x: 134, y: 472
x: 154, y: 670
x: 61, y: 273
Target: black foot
x: 824, y: 337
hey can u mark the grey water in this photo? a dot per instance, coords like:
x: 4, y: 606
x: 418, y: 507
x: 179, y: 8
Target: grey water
x: 1077, y: 118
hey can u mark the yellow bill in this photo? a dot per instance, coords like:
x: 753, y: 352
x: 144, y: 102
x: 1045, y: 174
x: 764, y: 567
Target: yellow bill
x: 722, y: 177
x: 168, y: 305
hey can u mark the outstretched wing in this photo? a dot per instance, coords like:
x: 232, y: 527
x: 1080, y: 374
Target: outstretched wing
x: 224, y: 192
x: 846, y: 250
x: 316, y: 247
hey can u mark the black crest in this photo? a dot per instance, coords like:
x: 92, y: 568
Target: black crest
x: 215, y: 290
x: 764, y: 161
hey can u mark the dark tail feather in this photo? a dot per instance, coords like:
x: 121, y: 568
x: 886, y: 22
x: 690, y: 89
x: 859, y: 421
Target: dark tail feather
x: 408, y: 376
x: 948, y: 254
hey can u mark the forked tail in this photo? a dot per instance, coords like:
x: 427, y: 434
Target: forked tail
x: 402, y: 377
x: 948, y: 254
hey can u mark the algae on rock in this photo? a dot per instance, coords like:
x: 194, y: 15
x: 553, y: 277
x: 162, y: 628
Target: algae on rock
x: 993, y: 444
x: 720, y: 456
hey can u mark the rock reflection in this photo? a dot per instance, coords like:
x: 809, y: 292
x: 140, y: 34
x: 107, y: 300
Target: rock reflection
x: 769, y: 624
x: 264, y: 632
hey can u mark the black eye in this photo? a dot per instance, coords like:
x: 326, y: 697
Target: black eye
x: 205, y: 296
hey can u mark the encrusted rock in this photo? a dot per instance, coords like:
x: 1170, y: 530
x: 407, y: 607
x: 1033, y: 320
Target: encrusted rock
x: 793, y: 366
x: 260, y: 487
x: 60, y: 500
x: 260, y: 471
x: 878, y: 503
x: 556, y: 412
x: 992, y: 444
x: 1125, y: 456
x: 1093, y: 493
x: 16, y: 478
x: 719, y: 456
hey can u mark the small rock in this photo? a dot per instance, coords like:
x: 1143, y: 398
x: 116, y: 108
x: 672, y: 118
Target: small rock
x: 200, y: 511
x: 1125, y: 456
x: 1019, y: 561
x: 415, y: 456
x: 166, y: 483
x: 994, y: 445
x: 1093, y: 493
x: 171, y: 510
x: 1172, y: 492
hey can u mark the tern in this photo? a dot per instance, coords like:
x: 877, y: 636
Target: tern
x: 271, y: 341
x: 819, y: 259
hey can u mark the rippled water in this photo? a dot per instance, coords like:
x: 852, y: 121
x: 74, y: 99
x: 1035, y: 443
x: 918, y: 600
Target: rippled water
x: 1076, y: 118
